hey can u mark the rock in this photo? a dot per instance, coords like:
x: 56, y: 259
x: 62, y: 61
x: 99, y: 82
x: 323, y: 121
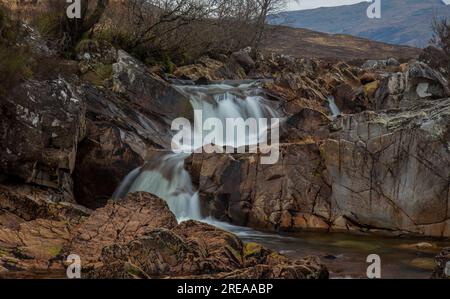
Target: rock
x: 29, y: 203
x: 204, y: 68
x: 442, y: 270
x: 118, y: 138
x: 417, y: 83
x: 426, y: 82
x: 41, y: 124
x: 147, y: 91
x: 380, y: 64
x: 197, y: 250
x: 308, y: 124
x: 387, y: 169
x: 436, y: 59
x: 103, y: 161
x: 390, y: 92
x: 33, y: 244
x: 119, y: 223
x: 243, y: 58
x: 368, y: 77
x: 239, y: 189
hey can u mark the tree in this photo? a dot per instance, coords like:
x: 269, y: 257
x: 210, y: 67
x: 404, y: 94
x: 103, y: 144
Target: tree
x: 76, y: 27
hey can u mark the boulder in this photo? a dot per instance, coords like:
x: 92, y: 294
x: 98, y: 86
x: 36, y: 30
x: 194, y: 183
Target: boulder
x: 389, y: 171
x: 148, y: 92
x: 288, y: 195
x: 442, y: 270
x: 380, y: 64
x: 197, y: 250
x: 244, y: 59
x: 118, y: 139
x: 405, y: 89
x: 119, y: 223
x: 33, y: 245
x: 41, y: 124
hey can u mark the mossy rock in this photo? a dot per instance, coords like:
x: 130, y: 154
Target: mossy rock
x: 371, y: 88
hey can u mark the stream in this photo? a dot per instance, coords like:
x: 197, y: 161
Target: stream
x: 344, y: 254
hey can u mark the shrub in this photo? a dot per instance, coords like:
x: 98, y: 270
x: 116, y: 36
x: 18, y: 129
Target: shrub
x: 16, y: 62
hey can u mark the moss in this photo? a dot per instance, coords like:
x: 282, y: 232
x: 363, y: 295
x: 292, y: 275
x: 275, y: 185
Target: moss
x: 16, y: 62
x: 99, y: 75
x: 252, y: 249
x: 87, y: 46
x: 54, y: 250
x: 370, y: 88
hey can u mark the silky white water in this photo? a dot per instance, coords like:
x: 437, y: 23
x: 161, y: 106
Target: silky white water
x: 166, y: 176
x: 335, y: 111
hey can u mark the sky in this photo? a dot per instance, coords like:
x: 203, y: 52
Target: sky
x: 309, y: 4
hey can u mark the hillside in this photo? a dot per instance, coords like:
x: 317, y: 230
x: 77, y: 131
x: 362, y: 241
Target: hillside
x: 307, y: 43
x: 404, y: 22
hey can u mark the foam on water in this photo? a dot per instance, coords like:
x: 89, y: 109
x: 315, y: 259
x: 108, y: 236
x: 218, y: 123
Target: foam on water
x: 166, y: 176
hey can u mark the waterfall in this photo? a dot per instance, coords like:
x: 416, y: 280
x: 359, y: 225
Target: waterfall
x: 166, y: 177
x: 333, y: 107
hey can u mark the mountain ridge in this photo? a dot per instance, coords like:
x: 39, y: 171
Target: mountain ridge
x: 401, y: 21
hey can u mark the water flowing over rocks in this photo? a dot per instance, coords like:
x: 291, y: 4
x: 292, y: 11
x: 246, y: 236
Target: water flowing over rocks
x: 379, y: 165
x: 370, y: 169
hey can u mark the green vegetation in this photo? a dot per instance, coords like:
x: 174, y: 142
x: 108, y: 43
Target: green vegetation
x: 16, y: 62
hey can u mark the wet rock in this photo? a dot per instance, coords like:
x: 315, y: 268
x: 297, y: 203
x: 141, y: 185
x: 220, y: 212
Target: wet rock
x: 41, y: 124
x: 29, y: 203
x: 288, y: 195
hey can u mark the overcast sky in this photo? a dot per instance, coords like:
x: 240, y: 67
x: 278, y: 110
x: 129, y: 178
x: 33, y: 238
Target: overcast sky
x: 309, y: 4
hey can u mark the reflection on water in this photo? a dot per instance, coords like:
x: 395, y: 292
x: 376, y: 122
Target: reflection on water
x: 345, y: 254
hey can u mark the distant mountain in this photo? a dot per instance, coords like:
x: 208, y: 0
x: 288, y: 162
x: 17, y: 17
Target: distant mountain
x: 404, y: 22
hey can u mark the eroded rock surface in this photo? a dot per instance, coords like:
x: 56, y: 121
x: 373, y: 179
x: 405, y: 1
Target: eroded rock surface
x: 41, y: 125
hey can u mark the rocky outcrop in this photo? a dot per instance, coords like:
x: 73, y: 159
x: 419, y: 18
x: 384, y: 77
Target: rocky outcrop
x: 34, y: 225
x: 147, y: 91
x: 117, y: 141
x: 290, y: 194
x: 197, y: 250
x: 389, y: 171
x: 140, y: 238
x: 404, y: 89
x: 120, y: 223
x: 41, y: 125
x: 442, y: 270
x: 380, y: 64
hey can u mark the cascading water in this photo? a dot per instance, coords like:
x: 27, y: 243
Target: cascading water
x: 166, y: 176
x: 335, y: 111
